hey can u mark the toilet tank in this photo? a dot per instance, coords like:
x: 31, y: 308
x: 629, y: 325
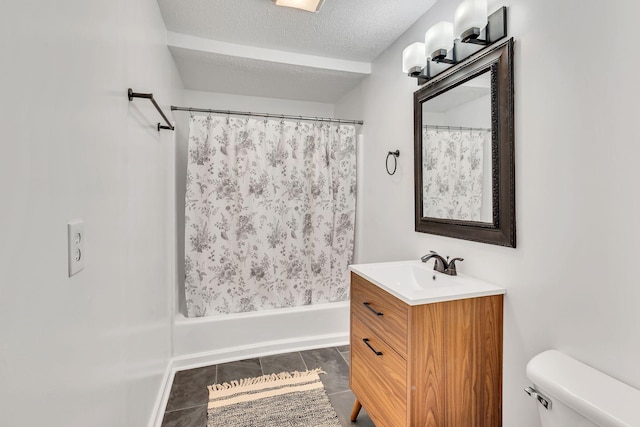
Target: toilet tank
x: 579, y: 395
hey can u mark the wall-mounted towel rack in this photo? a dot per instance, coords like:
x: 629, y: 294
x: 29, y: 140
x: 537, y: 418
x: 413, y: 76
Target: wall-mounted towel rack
x: 131, y: 94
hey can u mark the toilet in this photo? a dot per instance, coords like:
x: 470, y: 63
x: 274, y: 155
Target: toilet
x: 571, y: 394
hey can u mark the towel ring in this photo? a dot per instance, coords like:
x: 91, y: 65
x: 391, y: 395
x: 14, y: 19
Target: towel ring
x: 395, y: 155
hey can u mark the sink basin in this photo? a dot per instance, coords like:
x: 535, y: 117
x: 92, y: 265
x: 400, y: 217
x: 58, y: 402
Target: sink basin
x: 415, y: 282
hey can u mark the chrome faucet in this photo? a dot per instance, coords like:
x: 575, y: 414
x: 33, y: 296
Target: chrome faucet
x: 442, y: 265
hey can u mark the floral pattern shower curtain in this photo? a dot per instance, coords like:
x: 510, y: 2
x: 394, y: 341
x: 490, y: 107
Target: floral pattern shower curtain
x: 270, y: 211
x: 452, y: 173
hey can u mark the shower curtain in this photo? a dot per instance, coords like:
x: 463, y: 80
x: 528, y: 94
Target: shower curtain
x: 270, y: 211
x: 452, y: 162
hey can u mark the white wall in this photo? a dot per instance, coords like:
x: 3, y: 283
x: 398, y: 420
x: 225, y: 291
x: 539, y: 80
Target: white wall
x: 90, y: 350
x: 222, y: 101
x: 571, y: 281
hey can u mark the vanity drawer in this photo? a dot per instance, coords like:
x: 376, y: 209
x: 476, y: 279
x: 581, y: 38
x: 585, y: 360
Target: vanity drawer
x: 391, y: 324
x: 378, y: 381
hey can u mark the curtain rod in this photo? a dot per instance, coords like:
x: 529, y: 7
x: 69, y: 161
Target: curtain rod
x: 275, y: 116
x: 436, y: 127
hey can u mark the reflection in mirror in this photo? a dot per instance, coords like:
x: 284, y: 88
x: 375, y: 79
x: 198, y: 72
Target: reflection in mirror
x: 456, y: 152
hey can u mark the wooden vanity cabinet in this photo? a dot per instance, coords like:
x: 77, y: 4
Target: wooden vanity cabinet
x: 437, y: 364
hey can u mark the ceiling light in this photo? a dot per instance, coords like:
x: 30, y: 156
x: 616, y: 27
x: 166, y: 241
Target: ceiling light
x: 308, y: 5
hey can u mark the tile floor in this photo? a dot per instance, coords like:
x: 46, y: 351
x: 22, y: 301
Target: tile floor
x: 187, y: 405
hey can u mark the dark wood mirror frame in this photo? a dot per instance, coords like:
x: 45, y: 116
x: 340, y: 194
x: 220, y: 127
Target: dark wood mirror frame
x: 502, y: 230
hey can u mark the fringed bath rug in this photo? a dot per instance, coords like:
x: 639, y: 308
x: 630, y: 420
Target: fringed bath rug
x: 295, y: 399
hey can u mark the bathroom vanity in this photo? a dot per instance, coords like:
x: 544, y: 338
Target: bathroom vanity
x: 426, y: 348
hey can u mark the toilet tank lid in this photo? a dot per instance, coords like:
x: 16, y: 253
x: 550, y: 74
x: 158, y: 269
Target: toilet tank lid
x: 589, y: 392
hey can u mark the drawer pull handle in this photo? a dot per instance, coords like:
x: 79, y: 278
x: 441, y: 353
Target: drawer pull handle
x: 366, y: 341
x: 368, y: 305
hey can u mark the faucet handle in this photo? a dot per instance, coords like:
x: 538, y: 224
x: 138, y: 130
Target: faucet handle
x: 451, y: 269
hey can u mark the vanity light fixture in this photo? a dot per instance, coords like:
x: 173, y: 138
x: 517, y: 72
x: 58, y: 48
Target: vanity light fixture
x: 470, y: 19
x: 442, y: 41
x: 413, y: 59
x: 308, y: 5
x: 438, y: 40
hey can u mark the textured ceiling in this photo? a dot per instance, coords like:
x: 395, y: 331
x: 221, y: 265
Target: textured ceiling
x: 357, y: 30
x: 352, y: 30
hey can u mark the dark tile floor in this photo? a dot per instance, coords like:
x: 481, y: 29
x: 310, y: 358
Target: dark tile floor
x: 187, y: 405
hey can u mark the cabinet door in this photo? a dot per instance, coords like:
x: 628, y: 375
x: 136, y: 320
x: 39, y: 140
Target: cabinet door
x: 473, y: 348
x: 455, y: 363
x: 379, y: 380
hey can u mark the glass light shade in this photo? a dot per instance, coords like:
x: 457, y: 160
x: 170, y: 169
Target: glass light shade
x: 469, y: 14
x: 308, y: 5
x: 413, y: 56
x: 440, y: 36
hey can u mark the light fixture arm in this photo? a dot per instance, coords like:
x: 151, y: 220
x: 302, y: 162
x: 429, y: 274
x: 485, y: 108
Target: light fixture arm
x: 414, y: 71
x: 440, y: 56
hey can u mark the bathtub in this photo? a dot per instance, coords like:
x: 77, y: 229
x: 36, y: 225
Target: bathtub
x: 217, y: 339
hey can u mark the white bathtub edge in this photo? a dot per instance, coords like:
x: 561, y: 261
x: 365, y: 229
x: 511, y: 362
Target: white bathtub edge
x: 239, y: 335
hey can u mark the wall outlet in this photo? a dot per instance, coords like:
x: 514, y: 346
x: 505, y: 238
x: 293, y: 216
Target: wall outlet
x: 75, y: 233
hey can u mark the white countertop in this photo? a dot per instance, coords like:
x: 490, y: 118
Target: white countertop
x: 415, y: 282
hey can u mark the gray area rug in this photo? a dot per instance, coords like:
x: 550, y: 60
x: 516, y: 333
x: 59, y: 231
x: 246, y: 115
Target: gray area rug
x: 289, y: 399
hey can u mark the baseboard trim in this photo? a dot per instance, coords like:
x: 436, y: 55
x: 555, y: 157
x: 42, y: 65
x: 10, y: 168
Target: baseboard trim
x: 163, y: 396
x: 230, y: 354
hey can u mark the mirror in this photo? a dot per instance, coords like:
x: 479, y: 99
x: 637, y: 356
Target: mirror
x: 464, y: 168
x: 456, y: 152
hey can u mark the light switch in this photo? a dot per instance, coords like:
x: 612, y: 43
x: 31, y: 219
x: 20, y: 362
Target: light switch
x: 75, y: 234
